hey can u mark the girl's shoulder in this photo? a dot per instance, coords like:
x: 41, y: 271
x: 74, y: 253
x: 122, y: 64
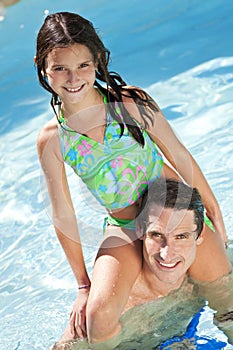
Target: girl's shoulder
x: 134, y: 94
x: 128, y: 90
x: 48, y: 136
x: 133, y: 97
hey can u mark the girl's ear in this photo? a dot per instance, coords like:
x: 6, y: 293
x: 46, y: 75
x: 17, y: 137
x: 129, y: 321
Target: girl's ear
x: 97, y: 62
x: 35, y: 60
x: 96, y: 66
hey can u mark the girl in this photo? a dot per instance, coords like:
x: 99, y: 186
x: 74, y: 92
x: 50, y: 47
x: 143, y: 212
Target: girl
x: 110, y: 134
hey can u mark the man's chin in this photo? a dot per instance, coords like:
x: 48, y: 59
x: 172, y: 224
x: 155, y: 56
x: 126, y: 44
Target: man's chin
x: 172, y: 282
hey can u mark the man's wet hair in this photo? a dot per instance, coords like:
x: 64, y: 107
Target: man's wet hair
x: 170, y: 193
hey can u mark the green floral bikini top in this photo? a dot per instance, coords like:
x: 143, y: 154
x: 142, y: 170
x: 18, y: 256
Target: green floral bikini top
x: 117, y: 171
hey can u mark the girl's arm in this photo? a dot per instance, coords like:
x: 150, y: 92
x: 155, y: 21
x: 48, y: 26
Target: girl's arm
x: 182, y: 161
x: 63, y: 214
x: 180, y: 158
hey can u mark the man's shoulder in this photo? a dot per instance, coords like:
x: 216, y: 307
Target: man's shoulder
x: 141, y: 294
x: 181, y: 303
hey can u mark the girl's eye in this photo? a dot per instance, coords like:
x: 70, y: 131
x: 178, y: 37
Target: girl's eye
x: 59, y: 69
x: 84, y: 65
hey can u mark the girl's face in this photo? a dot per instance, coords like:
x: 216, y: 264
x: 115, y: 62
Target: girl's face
x: 71, y: 73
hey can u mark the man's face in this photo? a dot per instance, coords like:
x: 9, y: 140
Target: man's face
x: 169, y: 246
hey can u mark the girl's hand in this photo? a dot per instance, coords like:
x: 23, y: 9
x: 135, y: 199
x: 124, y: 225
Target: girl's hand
x: 78, y: 315
x: 219, y: 228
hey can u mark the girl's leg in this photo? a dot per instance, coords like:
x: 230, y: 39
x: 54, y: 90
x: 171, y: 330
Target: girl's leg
x: 211, y: 260
x: 116, y: 268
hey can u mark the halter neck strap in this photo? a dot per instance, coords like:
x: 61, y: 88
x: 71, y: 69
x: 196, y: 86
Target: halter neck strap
x: 104, y: 96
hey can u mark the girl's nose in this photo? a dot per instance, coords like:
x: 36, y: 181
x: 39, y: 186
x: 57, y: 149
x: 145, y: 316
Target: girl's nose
x: 73, y: 77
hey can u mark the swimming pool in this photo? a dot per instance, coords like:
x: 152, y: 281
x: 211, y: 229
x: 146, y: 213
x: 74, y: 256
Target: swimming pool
x: 181, y: 52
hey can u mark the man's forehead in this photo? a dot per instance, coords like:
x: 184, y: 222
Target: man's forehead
x: 168, y: 220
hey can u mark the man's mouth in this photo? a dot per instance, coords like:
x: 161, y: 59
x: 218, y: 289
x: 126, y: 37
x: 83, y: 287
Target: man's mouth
x: 169, y: 266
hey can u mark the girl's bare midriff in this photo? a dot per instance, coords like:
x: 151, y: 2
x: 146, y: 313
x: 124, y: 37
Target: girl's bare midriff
x: 128, y: 213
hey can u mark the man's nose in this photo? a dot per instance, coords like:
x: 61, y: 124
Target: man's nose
x: 167, y: 251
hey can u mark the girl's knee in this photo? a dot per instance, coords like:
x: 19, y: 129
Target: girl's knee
x: 102, y: 320
x: 114, y: 274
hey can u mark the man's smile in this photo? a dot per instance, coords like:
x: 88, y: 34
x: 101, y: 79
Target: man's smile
x: 167, y: 265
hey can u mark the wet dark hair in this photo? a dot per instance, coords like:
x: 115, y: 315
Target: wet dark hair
x: 169, y: 193
x: 63, y: 29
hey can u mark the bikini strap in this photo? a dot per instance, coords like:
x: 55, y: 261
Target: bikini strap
x: 104, y: 97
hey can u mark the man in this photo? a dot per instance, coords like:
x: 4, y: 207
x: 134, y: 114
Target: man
x: 170, y: 226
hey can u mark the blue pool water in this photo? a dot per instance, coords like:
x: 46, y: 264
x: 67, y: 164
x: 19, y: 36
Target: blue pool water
x: 181, y: 52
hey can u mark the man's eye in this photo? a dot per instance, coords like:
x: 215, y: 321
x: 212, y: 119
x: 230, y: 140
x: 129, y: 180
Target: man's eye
x: 182, y: 236
x: 155, y: 235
